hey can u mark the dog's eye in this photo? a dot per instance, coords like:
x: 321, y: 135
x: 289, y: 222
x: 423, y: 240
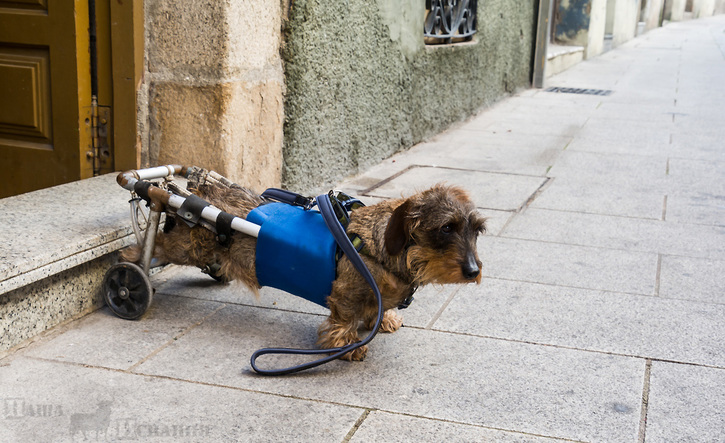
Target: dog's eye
x: 447, y: 229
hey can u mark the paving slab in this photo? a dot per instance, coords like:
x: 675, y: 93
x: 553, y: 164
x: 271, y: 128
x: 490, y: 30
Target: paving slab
x: 473, y: 138
x: 703, y: 208
x: 686, y: 403
x: 520, y: 116
x: 641, y: 112
x: 690, y: 278
x: 592, y: 170
x: 705, y: 177
x: 699, y: 128
x: 525, y: 120
x: 642, y: 326
x: 102, y: 339
x: 607, y: 199
x: 41, y: 402
x: 386, y: 427
x: 614, y: 144
x: 568, y: 265
x: 623, y: 233
x: 505, y: 192
x: 496, y: 220
x: 712, y: 100
x: 495, y: 157
x: 531, y: 389
x: 490, y: 144
x: 563, y: 129
x: 555, y: 102
x: 634, y: 132
x: 427, y: 305
x: 702, y: 147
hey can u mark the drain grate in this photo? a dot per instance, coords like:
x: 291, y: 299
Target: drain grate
x: 579, y: 91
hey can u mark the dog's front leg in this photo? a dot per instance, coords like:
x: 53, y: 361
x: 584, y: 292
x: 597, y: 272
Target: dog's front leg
x: 336, y: 332
x: 391, y: 321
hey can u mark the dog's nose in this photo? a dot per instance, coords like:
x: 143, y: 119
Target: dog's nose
x: 470, y: 268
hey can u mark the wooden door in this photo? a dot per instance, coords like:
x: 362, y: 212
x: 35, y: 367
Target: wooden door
x: 45, y: 118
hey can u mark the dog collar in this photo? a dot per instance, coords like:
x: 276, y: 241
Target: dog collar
x: 409, y: 299
x: 363, y: 249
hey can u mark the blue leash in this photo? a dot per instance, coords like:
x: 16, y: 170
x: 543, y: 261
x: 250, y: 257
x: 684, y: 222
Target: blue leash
x: 338, y: 232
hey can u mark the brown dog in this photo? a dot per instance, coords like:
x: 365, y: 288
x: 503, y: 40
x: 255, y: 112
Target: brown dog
x: 429, y: 237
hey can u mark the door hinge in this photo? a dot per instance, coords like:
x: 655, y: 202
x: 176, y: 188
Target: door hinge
x: 100, y: 153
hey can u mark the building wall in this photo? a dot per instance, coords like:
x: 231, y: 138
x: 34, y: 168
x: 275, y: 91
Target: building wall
x: 626, y: 16
x: 720, y: 7
x: 611, y: 9
x: 652, y: 14
x: 675, y: 10
x: 597, y: 24
x: 703, y: 8
x: 213, y: 88
x: 362, y: 85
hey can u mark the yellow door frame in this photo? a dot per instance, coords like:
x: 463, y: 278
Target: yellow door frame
x: 127, y: 50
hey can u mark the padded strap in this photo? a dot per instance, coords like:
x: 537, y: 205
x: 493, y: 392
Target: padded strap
x: 289, y: 197
x: 190, y: 210
x: 224, y: 229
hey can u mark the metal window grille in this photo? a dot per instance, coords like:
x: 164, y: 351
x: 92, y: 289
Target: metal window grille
x: 449, y: 21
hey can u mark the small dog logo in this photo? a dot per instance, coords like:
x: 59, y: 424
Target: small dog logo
x: 96, y: 422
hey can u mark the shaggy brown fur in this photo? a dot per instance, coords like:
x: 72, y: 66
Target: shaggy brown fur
x: 429, y: 237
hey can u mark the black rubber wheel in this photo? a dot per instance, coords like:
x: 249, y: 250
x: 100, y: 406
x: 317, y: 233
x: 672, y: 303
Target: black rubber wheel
x: 127, y: 290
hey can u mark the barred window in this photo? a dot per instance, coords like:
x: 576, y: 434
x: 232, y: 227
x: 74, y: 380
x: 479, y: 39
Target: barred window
x: 449, y: 21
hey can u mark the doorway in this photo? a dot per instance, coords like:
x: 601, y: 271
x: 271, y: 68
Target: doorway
x: 66, y: 115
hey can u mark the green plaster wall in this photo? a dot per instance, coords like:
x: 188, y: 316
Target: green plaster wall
x: 361, y: 85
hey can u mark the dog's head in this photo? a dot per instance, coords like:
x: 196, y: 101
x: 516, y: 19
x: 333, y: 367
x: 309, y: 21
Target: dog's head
x: 437, y: 229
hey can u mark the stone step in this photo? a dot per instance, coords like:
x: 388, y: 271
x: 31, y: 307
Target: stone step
x: 559, y: 58
x: 57, y: 244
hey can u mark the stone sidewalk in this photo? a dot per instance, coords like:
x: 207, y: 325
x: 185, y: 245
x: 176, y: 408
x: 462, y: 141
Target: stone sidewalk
x: 600, y: 317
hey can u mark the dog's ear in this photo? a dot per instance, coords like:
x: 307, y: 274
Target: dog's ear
x: 397, y: 231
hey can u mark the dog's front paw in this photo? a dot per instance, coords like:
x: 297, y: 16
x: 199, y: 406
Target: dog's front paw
x: 391, y: 321
x: 356, y: 355
x: 334, y: 335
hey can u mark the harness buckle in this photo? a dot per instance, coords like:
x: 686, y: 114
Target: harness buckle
x: 409, y: 299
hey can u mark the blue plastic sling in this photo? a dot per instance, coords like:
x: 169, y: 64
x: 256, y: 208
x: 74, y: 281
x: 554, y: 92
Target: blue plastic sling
x: 295, y: 251
x: 327, y: 212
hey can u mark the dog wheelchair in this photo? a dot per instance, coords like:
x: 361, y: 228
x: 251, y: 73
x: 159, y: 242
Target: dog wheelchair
x: 127, y: 289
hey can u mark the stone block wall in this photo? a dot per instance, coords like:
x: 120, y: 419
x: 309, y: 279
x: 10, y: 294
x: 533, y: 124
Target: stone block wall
x: 213, y: 87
